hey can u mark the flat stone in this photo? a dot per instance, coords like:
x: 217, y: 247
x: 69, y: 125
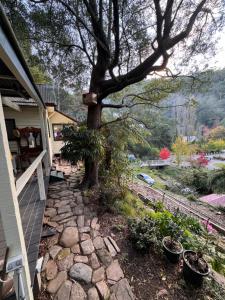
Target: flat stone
x: 98, y: 243
x: 80, y: 221
x: 84, y: 236
x: 94, y: 233
x: 98, y: 275
x: 69, y: 237
x: 94, y: 261
x: 64, y: 209
x: 104, y: 256
x: 75, y: 249
x: 81, y: 259
x: 71, y: 223
x: 78, y: 210
x: 54, y: 250
x: 65, y: 193
x: 103, y: 289
x: 84, y: 229
x: 82, y: 272
x: 50, y: 212
x: 62, y: 203
x: 45, y: 260
x: 54, y: 196
x: 122, y: 290
x: 52, y: 224
x: 50, y: 203
x: 53, y: 240
x: 77, y: 292
x: 59, y: 228
x: 64, y: 291
x: 114, y: 244
x: 65, y: 221
x: 61, y: 217
x: 94, y: 223
x: 114, y: 272
x: 93, y: 294
x: 88, y: 223
x: 87, y: 247
x: 86, y: 200
x: 64, y: 252
x: 66, y: 263
x: 55, y: 283
x: 110, y: 247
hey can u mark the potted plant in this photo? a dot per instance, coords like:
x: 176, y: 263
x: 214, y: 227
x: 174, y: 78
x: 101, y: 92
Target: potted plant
x: 171, y: 245
x: 195, y: 267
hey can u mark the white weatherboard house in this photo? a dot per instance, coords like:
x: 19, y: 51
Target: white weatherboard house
x: 30, y: 133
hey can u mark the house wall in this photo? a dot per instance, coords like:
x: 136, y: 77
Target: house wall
x: 57, y: 118
x: 27, y: 117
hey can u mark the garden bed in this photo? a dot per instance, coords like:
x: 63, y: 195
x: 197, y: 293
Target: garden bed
x: 151, y: 275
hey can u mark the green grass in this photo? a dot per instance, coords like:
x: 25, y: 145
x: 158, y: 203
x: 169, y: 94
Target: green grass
x: 153, y: 174
x: 220, y: 165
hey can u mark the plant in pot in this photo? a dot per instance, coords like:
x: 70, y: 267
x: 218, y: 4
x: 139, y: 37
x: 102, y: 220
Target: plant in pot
x: 195, y: 267
x: 171, y: 245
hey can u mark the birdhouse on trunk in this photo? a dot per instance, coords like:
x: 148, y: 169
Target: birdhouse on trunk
x: 89, y: 99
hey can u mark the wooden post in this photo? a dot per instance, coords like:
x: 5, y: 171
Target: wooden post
x: 41, y: 183
x: 9, y: 207
x: 44, y: 136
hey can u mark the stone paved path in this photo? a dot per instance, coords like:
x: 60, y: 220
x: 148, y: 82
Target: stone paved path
x: 80, y: 263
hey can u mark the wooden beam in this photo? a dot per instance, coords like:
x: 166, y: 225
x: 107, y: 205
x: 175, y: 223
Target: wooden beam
x: 9, y: 208
x: 7, y: 101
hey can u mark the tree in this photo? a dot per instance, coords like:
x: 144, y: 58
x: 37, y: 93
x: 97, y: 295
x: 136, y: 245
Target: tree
x: 164, y: 153
x: 180, y: 148
x: 217, y: 133
x: 115, y: 43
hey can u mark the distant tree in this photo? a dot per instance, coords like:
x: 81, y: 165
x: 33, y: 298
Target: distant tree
x: 202, y: 160
x: 164, y: 153
x: 217, y: 133
x: 180, y: 148
x: 112, y: 44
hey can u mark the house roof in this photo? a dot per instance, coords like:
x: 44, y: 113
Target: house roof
x: 47, y: 92
x: 214, y: 199
x: 15, y: 77
x: 74, y: 120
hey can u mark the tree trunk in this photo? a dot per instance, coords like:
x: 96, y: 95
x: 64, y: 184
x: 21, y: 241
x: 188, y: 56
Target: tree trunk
x: 92, y: 167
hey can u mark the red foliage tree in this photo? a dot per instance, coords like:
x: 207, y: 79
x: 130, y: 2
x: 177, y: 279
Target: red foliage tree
x: 164, y: 153
x: 202, y: 160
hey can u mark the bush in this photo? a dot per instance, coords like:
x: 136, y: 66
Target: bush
x: 197, y: 179
x: 192, y: 198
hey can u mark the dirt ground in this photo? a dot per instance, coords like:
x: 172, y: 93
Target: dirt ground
x: 151, y: 276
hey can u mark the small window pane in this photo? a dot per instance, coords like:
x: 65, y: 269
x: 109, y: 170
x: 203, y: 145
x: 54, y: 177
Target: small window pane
x: 57, y: 132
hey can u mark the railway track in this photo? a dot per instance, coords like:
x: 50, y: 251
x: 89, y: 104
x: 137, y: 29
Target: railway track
x: 172, y: 204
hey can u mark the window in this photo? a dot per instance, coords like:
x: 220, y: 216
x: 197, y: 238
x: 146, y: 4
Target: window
x: 57, y: 131
x: 10, y: 127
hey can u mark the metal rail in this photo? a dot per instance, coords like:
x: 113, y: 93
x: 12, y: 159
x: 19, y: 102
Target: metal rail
x: 218, y: 226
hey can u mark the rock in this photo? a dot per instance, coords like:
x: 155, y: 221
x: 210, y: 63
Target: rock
x: 50, y: 203
x: 114, y: 244
x: 51, y: 270
x: 64, y: 291
x: 84, y: 237
x: 69, y: 237
x: 104, y: 256
x: 71, y: 223
x: 82, y: 272
x: 122, y: 290
x: 81, y: 259
x: 65, y: 193
x: 98, y: 243
x: 94, y: 223
x: 84, y: 229
x: 93, y: 294
x: 62, y: 203
x: 64, y: 221
x: 88, y: 223
x: 94, y: 261
x: 78, y: 210
x: 75, y: 249
x: 52, y: 224
x: 110, y: 247
x: 87, y: 247
x: 80, y: 221
x: 50, y: 212
x: 62, y: 217
x: 77, y: 292
x: 98, y: 275
x: 64, y: 209
x: 45, y: 260
x: 59, y: 228
x: 66, y: 263
x: 114, y: 272
x: 53, y: 240
x: 162, y: 293
x: 103, y: 290
x: 54, y: 196
x: 55, y: 283
x: 94, y: 233
x: 64, y: 252
x: 54, y: 250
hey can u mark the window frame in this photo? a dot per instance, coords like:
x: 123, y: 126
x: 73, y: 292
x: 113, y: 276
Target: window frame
x: 14, y: 123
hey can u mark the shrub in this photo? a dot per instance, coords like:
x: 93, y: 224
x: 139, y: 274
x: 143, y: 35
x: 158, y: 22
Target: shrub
x: 192, y: 197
